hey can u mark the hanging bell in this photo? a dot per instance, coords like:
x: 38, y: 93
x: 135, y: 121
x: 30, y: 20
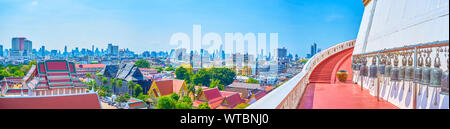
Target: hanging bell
x: 426, y: 71
x: 357, y: 64
x: 444, y: 78
x: 353, y: 63
x: 418, y: 70
x: 388, y: 68
x: 381, y: 66
x: 436, y: 72
x: 364, y: 69
x: 373, y: 68
x: 409, y: 71
x: 395, y: 70
x: 401, y: 73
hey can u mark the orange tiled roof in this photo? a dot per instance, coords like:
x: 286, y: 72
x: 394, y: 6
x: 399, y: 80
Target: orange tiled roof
x: 268, y: 88
x: 167, y: 87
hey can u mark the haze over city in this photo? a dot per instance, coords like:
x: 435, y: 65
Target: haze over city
x: 147, y: 25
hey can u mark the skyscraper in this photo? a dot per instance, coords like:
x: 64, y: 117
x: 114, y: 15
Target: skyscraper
x: 1, y: 50
x: 314, y: 50
x: 65, y: 51
x: 281, y: 53
x: 20, y: 46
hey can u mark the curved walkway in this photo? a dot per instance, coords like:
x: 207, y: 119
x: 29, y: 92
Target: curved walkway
x: 324, y: 92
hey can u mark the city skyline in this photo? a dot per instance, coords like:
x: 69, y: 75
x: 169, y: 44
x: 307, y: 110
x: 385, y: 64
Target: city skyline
x: 82, y: 24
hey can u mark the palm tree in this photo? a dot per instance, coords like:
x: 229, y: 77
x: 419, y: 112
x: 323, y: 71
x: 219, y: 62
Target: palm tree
x: 113, y: 84
x: 131, y: 85
x: 119, y: 83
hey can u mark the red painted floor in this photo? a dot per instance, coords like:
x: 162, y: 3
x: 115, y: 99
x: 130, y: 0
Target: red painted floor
x: 324, y: 93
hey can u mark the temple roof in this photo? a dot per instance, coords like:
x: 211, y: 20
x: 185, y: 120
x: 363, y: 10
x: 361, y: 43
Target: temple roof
x: 167, y: 87
x: 79, y: 101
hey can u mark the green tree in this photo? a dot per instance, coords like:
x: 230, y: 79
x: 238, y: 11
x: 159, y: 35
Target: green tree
x: 18, y: 74
x: 204, y: 106
x: 141, y: 63
x: 175, y: 96
x: 188, y: 77
x: 119, y: 84
x: 216, y: 83
x: 102, y: 93
x: 143, y: 97
x: 186, y: 99
x: 200, y: 90
x: 88, y: 75
x: 104, y: 81
x: 165, y: 102
x: 191, y: 88
x: 138, y: 90
x: 131, y: 85
x: 170, y: 68
x: 113, y: 83
x: 159, y: 69
x: 182, y: 105
x: 180, y: 73
x: 225, y: 75
x: 252, y: 80
x: 202, y: 77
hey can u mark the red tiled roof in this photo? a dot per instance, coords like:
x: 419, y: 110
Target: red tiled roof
x: 56, y: 65
x: 167, y: 87
x: 42, y: 68
x: 234, y: 99
x: 216, y: 103
x: 212, y: 94
x: 90, y: 66
x: 79, y: 101
x: 71, y: 67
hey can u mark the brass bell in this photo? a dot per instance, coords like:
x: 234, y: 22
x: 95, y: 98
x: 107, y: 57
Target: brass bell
x: 444, y: 78
x: 418, y: 70
x: 436, y: 72
x: 409, y: 71
x: 388, y: 68
x: 395, y: 69
x: 426, y: 71
x: 401, y: 73
x: 382, y: 65
x: 373, y: 68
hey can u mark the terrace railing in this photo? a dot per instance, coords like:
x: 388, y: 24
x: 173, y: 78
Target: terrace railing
x: 289, y: 94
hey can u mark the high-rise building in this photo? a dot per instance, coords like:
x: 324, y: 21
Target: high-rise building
x: 112, y: 50
x: 20, y: 46
x: 314, y: 50
x: 42, y: 51
x: 1, y: 50
x: 281, y: 53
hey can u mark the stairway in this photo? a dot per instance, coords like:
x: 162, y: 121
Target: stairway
x: 324, y: 71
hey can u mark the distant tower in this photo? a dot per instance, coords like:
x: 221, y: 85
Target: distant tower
x: 201, y: 58
x: 65, y: 51
x: 190, y: 59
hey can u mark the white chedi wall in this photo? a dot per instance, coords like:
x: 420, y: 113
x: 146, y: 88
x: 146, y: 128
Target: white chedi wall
x: 398, y: 23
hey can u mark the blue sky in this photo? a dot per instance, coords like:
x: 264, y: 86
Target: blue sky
x: 148, y: 24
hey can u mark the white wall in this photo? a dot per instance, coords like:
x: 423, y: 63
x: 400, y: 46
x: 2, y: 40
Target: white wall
x: 397, y: 23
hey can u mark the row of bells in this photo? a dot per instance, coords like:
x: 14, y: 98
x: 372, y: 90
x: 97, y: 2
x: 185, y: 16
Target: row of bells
x: 434, y: 77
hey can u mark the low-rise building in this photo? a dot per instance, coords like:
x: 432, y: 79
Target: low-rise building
x: 167, y: 87
x: 218, y: 99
